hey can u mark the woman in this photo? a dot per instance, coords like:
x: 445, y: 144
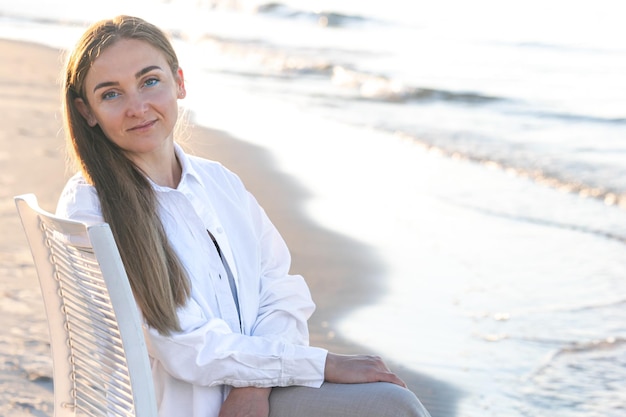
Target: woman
x: 226, y: 324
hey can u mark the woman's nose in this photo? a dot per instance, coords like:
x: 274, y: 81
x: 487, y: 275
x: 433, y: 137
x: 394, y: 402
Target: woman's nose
x: 136, y: 105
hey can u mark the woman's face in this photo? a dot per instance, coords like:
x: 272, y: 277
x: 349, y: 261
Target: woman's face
x: 131, y: 93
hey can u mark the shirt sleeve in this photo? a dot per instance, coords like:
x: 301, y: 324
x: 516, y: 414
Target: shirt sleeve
x: 285, y: 300
x: 206, y: 352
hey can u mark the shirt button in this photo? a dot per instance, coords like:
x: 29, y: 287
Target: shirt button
x: 219, y: 230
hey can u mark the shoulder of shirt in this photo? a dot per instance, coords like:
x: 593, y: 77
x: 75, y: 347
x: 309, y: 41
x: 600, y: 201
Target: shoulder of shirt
x: 210, y: 169
x: 77, y: 182
x: 204, y: 163
x: 79, y: 197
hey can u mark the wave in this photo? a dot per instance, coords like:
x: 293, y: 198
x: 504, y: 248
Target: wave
x: 568, y: 47
x: 569, y: 117
x: 581, y: 228
x: 382, y: 88
x: 575, y: 177
x: 584, y: 376
x: 322, y: 18
x: 611, y: 304
x: 291, y: 62
x: 322, y: 63
x: 606, y: 344
x: 609, y: 343
x: 41, y: 20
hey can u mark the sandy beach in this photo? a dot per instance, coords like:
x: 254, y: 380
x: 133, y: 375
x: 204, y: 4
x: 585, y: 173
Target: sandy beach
x: 340, y: 271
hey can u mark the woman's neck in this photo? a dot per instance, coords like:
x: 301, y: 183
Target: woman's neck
x: 162, y: 167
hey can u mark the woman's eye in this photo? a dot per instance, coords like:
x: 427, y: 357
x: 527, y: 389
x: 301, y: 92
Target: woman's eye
x: 109, y: 95
x: 151, y: 82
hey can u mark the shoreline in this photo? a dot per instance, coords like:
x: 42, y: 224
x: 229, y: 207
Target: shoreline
x: 340, y: 271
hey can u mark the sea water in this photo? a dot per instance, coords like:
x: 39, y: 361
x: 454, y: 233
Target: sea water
x: 479, y: 147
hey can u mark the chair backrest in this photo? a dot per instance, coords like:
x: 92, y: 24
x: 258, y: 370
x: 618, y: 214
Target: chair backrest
x: 99, y: 355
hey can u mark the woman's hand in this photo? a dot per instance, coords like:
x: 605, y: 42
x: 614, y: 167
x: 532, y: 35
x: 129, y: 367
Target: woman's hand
x: 247, y: 402
x: 353, y: 369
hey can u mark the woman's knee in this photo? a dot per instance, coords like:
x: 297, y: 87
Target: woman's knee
x: 398, y: 401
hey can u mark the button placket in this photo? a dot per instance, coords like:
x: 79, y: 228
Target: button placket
x: 230, y: 283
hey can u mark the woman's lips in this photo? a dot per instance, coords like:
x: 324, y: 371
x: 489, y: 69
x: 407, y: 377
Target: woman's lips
x: 142, y: 126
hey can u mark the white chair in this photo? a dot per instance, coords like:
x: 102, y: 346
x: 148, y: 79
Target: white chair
x: 100, y: 361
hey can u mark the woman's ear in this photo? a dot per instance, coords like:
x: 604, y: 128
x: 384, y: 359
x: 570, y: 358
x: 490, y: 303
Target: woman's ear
x: 180, y: 81
x: 84, y: 110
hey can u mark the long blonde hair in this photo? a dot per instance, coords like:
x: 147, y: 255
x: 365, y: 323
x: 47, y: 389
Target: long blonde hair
x: 128, y: 201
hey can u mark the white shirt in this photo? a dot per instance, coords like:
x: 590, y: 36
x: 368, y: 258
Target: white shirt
x: 266, y: 345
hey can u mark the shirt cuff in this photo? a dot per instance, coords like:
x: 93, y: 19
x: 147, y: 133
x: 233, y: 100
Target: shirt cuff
x: 304, y: 366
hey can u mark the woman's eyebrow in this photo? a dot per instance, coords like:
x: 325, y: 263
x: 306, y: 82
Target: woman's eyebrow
x: 138, y: 74
x: 105, y: 84
x: 146, y: 70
